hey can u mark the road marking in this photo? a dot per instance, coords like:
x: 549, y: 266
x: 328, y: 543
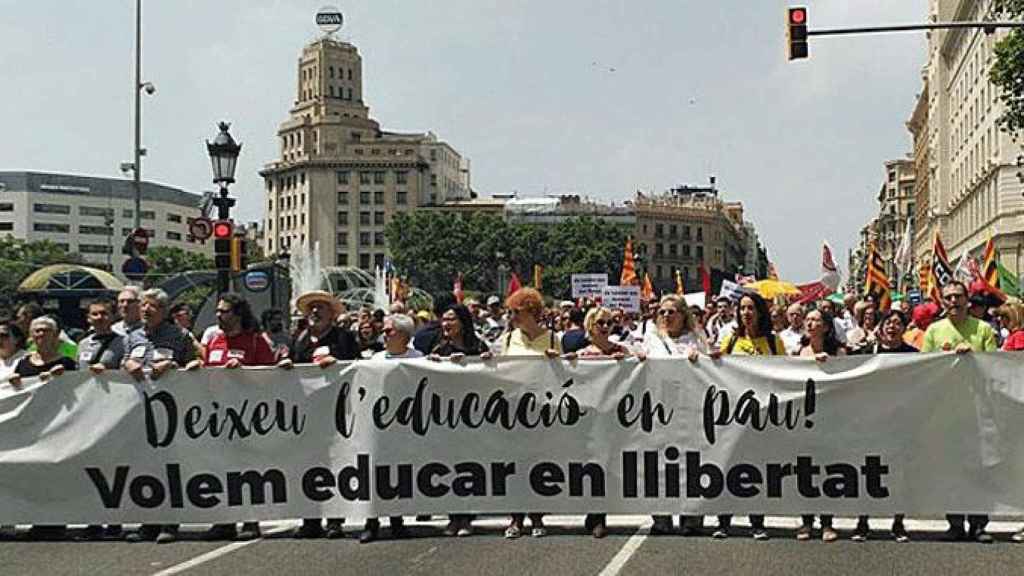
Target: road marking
x: 626, y: 552
x: 217, y: 553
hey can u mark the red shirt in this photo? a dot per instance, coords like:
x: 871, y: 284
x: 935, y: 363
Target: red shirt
x: 251, y: 348
x: 1014, y: 341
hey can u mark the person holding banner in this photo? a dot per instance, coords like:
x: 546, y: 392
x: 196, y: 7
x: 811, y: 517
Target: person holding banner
x: 1011, y: 316
x: 458, y: 336
x: 598, y: 324
x: 323, y: 343
x: 863, y: 334
x: 819, y: 342
x: 238, y: 343
x: 753, y: 336
x: 961, y: 333
x: 674, y: 336
x: 529, y: 338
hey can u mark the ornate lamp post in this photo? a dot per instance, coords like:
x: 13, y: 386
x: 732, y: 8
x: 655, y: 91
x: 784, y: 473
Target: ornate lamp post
x: 223, y: 153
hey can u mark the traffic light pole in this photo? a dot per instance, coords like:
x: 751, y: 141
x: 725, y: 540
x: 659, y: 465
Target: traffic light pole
x: 989, y: 27
x: 223, y: 204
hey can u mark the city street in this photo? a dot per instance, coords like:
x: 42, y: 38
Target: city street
x: 627, y: 550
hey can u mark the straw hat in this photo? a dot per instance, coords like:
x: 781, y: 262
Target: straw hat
x: 306, y: 300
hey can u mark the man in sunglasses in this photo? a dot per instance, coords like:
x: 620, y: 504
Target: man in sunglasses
x: 961, y: 333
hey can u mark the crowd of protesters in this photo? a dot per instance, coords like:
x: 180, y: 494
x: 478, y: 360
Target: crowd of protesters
x: 150, y: 338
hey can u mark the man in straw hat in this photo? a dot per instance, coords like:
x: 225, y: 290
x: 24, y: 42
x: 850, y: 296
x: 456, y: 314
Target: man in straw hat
x: 322, y: 343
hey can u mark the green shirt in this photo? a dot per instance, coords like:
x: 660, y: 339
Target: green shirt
x: 65, y: 348
x: 978, y: 334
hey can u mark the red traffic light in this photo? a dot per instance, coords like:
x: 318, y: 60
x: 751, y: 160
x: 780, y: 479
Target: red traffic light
x: 223, y: 229
x: 797, y: 16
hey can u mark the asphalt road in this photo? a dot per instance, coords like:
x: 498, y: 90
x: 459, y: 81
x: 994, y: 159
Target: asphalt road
x: 627, y: 550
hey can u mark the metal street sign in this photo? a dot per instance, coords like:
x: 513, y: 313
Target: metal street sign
x: 201, y: 228
x: 329, y: 19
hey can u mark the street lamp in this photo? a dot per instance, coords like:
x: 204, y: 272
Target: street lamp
x: 223, y: 158
x: 136, y: 166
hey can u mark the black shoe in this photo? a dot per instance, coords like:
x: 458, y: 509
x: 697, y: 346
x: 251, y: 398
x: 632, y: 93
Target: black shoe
x: 423, y: 517
x: 91, y: 533
x: 399, y: 532
x: 47, y: 532
x: 368, y: 535
x: 335, y: 529
x: 310, y: 529
x: 220, y: 532
x: 167, y: 534
x: 955, y: 534
x: 599, y: 531
x: 113, y: 531
x: 661, y: 527
x: 982, y: 537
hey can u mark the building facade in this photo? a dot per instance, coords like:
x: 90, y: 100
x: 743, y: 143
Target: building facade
x: 92, y: 216
x: 685, y: 226
x: 897, y: 202
x: 973, y: 189
x: 340, y: 178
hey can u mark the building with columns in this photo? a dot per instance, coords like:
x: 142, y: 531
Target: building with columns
x: 340, y: 178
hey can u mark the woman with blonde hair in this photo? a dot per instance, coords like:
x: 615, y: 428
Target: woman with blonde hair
x: 1011, y: 316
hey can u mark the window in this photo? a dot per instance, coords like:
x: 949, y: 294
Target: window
x: 659, y: 231
x: 174, y: 218
x: 659, y: 250
x: 6, y: 207
x: 378, y: 238
x: 672, y: 249
x: 364, y: 177
x: 378, y: 217
x: 364, y: 218
x: 94, y: 211
x: 343, y: 198
x: 364, y: 197
x: 6, y: 225
x: 364, y: 238
x: 48, y: 227
x: 700, y: 234
x: 349, y: 73
x: 673, y: 230
x: 342, y: 238
x: 342, y: 259
x: 686, y: 232
x: 96, y: 230
x: 364, y: 261
x: 378, y: 197
x: 700, y: 252
x: 401, y: 177
x: 342, y: 176
x: 401, y: 197
x: 378, y: 177
x: 686, y: 250
x: 375, y: 152
x: 51, y: 208
x: 433, y: 155
x: 378, y: 260
x: 147, y: 215
x: 95, y: 249
x: 174, y: 236
x: 658, y: 273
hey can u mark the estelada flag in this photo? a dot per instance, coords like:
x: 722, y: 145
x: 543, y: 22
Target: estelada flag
x: 647, y: 290
x: 924, y: 277
x: 628, y: 277
x: 877, y: 282
x: 941, y: 272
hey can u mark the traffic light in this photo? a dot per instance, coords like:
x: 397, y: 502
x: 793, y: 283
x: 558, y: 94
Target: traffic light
x: 796, y: 32
x: 238, y: 262
x: 223, y: 234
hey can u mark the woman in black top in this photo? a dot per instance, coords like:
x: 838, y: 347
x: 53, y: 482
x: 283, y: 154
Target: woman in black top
x: 458, y: 335
x: 890, y: 341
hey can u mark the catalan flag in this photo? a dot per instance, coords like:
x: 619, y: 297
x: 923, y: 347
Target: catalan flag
x: 647, y: 290
x: 940, y: 273
x: 877, y: 283
x: 628, y: 277
x: 924, y: 274
x: 990, y: 268
x: 538, y: 273
x: 680, y: 287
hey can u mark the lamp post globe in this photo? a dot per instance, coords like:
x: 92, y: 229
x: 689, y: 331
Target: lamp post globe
x: 223, y: 156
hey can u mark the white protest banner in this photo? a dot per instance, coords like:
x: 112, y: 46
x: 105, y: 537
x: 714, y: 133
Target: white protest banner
x: 626, y: 298
x: 588, y: 285
x: 697, y: 299
x: 730, y: 290
x: 920, y: 434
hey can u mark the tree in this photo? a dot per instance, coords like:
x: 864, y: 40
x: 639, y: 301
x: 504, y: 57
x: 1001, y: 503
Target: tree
x: 19, y: 258
x: 432, y: 248
x: 1007, y: 73
x: 166, y: 261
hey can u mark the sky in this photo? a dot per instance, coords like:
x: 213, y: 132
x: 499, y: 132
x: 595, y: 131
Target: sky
x: 592, y: 97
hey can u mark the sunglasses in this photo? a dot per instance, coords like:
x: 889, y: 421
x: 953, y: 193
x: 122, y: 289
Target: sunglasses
x: 667, y: 312
x: 603, y: 323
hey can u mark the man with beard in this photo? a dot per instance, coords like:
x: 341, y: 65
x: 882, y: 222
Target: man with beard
x: 238, y: 343
x: 323, y: 343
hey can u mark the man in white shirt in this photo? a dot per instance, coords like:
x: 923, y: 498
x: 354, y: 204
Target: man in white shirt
x: 794, y: 332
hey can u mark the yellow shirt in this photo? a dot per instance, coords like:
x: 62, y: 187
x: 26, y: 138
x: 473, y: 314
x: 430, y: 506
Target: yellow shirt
x: 747, y: 346
x: 518, y: 344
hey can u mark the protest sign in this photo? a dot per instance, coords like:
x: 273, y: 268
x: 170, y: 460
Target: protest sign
x: 626, y: 298
x: 588, y: 285
x: 920, y: 434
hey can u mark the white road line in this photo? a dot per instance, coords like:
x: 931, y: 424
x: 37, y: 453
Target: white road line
x: 626, y: 552
x: 216, y: 553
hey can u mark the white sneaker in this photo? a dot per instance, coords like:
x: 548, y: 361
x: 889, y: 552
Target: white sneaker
x: 1019, y: 536
x: 513, y: 532
x: 760, y: 534
x: 464, y: 531
x: 539, y: 532
x: 720, y: 534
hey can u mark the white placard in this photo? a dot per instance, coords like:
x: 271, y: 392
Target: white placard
x: 698, y: 299
x: 588, y: 285
x: 625, y: 297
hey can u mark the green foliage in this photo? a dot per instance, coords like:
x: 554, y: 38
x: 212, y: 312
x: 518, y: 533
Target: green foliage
x: 1007, y: 73
x: 166, y: 261
x: 19, y: 258
x: 432, y: 248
